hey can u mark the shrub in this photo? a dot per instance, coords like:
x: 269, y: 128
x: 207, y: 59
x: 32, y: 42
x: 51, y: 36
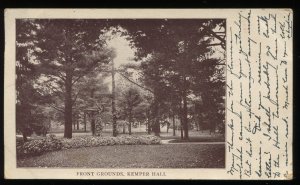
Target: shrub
x: 38, y: 146
x: 51, y: 143
x: 149, y: 140
x: 89, y: 141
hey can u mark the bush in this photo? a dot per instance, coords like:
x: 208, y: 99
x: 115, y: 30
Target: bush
x: 38, y: 146
x: 51, y: 143
x: 90, y: 141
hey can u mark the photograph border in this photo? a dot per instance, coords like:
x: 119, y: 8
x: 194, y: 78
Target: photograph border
x: 167, y: 4
x: 115, y: 14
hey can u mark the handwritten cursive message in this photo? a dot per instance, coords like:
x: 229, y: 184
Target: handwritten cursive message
x: 259, y: 94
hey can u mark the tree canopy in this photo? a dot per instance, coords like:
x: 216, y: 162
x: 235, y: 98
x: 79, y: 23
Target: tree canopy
x: 180, y: 64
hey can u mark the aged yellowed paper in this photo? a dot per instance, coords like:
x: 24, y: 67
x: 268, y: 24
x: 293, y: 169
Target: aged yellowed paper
x: 148, y: 94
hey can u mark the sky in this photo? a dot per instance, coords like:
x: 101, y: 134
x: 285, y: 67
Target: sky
x: 124, y: 52
x: 124, y: 55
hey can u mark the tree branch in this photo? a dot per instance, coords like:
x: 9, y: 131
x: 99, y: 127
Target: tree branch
x: 215, y: 44
x: 216, y: 36
x: 84, y: 73
x: 61, y: 76
x: 145, y: 88
x: 75, y: 98
x: 57, y: 108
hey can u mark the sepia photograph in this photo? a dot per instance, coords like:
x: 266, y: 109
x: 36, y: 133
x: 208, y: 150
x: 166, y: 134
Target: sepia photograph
x: 120, y: 93
x: 148, y: 94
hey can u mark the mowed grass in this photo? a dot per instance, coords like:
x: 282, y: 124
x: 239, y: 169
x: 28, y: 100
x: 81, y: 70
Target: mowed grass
x: 133, y: 156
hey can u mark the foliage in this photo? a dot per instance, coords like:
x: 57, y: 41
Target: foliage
x: 89, y: 141
x: 51, y: 143
x: 38, y: 146
x: 175, y: 60
x: 30, y: 116
x: 67, y: 50
x: 65, y: 63
x: 128, y: 103
x: 129, y: 99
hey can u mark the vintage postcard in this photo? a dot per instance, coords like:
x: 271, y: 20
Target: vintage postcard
x: 148, y: 94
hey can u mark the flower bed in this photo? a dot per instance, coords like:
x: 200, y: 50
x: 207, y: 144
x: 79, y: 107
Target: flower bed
x: 90, y: 141
x: 40, y: 146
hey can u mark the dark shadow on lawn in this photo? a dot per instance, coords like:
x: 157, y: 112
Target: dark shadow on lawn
x: 219, y: 139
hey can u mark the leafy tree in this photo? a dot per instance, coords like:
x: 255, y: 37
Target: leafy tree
x: 69, y: 50
x: 212, y: 92
x: 129, y: 101
x: 144, y: 111
x: 92, y: 92
x: 29, y: 117
x: 173, y: 52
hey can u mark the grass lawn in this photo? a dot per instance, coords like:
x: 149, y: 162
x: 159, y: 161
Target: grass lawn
x: 134, y: 156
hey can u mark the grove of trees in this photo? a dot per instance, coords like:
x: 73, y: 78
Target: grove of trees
x: 61, y: 66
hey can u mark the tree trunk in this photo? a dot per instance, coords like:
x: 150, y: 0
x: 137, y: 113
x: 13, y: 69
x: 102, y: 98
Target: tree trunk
x: 199, y: 123
x: 173, y: 119
x: 113, y: 104
x: 44, y: 131
x: 156, y: 126
x: 181, y: 131
x: 148, y: 122
x: 149, y: 127
x: 185, y: 119
x: 93, y: 125
x: 68, y: 107
x: 124, y: 127
x: 74, y: 124
x: 24, y: 137
x: 77, y: 123
x: 84, y: 122
x: 168, y: 127
x: 129, y: 128
x: 130, y: 121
